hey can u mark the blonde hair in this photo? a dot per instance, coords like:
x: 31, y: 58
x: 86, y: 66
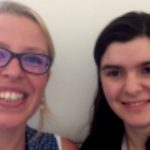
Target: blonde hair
x: 18, y: 9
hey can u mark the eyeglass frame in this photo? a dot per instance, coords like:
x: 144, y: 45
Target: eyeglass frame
x: 18, y: 56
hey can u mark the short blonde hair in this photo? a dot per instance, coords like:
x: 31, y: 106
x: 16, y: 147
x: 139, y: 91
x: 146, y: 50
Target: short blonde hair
x: 19, y: 9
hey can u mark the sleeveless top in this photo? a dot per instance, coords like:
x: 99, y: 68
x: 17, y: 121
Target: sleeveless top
x: 43, y: 141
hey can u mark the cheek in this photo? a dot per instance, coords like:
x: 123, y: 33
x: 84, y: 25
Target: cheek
x: 111, y: 92
x: 39, y: 83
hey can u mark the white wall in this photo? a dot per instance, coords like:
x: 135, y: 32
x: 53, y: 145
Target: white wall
x: 74, y: 26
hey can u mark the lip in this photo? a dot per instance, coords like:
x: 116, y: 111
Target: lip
x: 4, y: 104
x: 136, y: 105
x: 13, y: 89
x: 11, y: 105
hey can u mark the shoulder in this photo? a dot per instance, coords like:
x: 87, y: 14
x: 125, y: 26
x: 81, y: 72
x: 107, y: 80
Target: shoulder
x: 40, y: 141
x: 68, y: 144
x: 45, y: 141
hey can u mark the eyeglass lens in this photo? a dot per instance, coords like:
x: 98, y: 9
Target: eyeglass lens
x: 30, y: 62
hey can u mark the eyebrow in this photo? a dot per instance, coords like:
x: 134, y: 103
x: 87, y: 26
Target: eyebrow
x: 3, y: 45
x: 26, y: 49
x: 34, y: 49
x: 145, y: 63
x: 109, y: 66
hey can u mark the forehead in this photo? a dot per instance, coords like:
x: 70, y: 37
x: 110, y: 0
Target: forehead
x: 16, y: 20
x: 134, y: 51
x: 21, y: 30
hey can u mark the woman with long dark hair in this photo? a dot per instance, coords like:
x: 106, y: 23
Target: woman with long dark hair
x: 121, y: 117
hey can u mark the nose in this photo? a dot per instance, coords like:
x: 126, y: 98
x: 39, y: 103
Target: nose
x: 132, y: 85
x: 12, y: 70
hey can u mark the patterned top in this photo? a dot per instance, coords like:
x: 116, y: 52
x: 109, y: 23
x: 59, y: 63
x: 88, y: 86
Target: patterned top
x: 43, y: 141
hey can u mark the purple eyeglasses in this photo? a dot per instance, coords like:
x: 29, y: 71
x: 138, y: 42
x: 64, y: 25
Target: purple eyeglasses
x: 30, y: 62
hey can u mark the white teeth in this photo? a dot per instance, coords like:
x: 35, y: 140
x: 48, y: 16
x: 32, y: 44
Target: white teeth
x: 136, y: 103
x: 11, y: 96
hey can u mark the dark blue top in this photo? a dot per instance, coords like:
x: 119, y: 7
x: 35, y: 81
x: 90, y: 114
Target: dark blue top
x: 44, y: 141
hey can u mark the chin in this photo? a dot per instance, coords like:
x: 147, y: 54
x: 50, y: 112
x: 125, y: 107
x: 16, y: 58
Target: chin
x: 11, y: 123
x: 138, y: 123
x: 8, y: 126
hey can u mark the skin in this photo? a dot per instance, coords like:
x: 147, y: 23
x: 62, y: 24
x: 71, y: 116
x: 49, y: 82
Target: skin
x: 12, y: 77
x: 20, y: 34
x: 125, y: 77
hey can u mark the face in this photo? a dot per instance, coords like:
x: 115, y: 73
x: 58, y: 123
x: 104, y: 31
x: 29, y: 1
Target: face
x: 125, y: 77
x: 20, y: 91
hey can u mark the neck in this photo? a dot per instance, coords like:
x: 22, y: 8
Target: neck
x: 14, y: 138
x: 137, y: 138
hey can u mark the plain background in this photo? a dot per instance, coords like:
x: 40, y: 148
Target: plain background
x: 74, y: 26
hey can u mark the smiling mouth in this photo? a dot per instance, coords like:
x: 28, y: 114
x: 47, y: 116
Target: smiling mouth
x: 11, y: 96
x: 136, y: 103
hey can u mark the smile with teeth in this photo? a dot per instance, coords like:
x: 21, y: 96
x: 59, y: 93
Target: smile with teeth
x: 11, y: 96
x: 138, y: 103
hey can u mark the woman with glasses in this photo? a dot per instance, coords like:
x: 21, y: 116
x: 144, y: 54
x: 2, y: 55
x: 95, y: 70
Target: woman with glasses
x: 121, y: 116
x: 26, y: 55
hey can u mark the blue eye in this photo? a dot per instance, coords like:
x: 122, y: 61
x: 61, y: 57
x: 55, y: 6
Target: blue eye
x: 36, y: 63
x: 4, y: 54
x: 33, y: 60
